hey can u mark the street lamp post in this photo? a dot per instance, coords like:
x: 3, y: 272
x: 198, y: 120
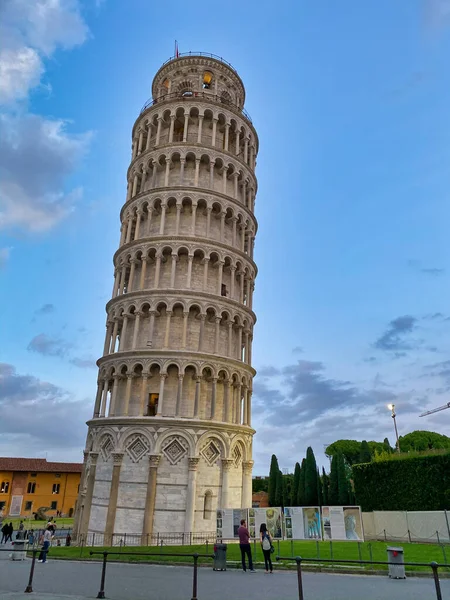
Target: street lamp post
x: 392, y: 409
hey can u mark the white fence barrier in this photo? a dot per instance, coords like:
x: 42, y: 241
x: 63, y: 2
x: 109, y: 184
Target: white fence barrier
x: 414, y: 526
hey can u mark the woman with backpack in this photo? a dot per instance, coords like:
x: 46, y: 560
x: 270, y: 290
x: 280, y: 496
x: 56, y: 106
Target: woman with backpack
x: 267, y: 547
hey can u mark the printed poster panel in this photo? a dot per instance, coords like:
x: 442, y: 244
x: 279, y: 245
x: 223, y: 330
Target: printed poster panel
x: 229, y: 521
x: 342, y: 523
x: 271, y: 517
x: 16, y: 506
x: 302, y: 523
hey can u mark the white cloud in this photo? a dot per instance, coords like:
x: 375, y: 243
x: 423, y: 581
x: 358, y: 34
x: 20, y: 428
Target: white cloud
x: 37, y: 154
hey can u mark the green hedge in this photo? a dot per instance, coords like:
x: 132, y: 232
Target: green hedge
x: 405, y: 483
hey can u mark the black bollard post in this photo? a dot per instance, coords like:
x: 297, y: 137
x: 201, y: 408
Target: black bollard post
x: 194, y: 581
x: 101, y: 593
x: 437, y: 583
x: 29, y: 587
x: 298, y: 560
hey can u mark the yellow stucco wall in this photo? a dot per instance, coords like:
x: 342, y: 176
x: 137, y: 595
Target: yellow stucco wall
x: 43, y: 496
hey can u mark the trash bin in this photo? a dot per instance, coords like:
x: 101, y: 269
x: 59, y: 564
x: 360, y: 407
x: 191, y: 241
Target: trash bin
x: 395, y: 555
x: 220, y: 557
x: 19, y: 550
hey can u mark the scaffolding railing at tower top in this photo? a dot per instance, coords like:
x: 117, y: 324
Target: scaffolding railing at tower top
x: 205, y: 54
x: 191, y: 95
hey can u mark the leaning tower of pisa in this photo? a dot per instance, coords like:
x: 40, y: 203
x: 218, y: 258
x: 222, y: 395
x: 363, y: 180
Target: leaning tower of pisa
x: 170, y: 440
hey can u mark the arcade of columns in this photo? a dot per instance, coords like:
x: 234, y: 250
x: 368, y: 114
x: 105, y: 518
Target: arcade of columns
x: 175, y: 379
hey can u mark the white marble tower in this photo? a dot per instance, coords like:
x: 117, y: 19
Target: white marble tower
x: 170, y: 440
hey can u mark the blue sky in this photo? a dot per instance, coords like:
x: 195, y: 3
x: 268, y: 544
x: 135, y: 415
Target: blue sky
x: 350, y: 101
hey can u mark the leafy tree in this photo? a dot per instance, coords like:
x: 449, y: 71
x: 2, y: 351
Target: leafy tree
x: 311, y: 482
x: 349, y: 448
x: 319, y: 490
x: 295, y: 484
x: 301, y: 485
x: 325, y: 487
x: 260, y: 484
x: 386, y: 446
x: 365, y: 455
x: 273, y: 475
x: 343, y: 482
x: 279, y: 490
x: 333, y: 496
x: 423, y: 440
x: 375, y: 447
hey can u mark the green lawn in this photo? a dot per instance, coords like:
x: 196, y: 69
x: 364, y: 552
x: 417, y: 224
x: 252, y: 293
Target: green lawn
x: 32, y: 524
x: 423, y: 553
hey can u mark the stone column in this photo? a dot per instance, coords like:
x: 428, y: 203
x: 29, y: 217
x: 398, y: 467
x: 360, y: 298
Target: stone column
x: 238, y: 137
x: 238, y: 404
x: 217, y: 335
x: 135, y: 183
x: 189, y: 270
x: 245, y: 420
x: 224, y: 179
x: 200, y: 336
x: 144, y: 393
x: 236, y: 177
x: 233, y: 276
x: 211, y: 174
x: 230, y: 339
x: 154, y: 174
x: 197, y: 172
x: 172, y: 123
x: 226, y: 401
x: 167, y: 173
x: 127, y: 394
x: 208, y: 221
x: 98, y: 399
x: 227, y: 136
x: 220, y: 277
x: 177, y: 223
x: 246, y: 150
x: 86, y: 515
x: 157, y: 270
x: 141, y: 138
x: 138, y: 223
x: 226, y: 466
x: 158, y: 131
x: 186, y: 125
x: 149, y: 136
x: 214, y: 133
x: 161, y: 394
x: 182, y: 164
x: 185, y: 324
x: 112, y: 406
x: 172, y: 271
x: 112, y: 504
x: 129, y: 228
x: 179, y: 395
x: 194, y: 216
x: 150, y: 499
x: 104, y: 397
x: 132, y: 270
x: 249, y: 407
x: 151, y: 326
x: 191, y: 494
x: 143, y: 181
x: 167, y: 334
x: 149, y: 220
x: 143, y: 273
x: 116, y: 282
x: 239, y: 357
x: 213, y: 398
x: 123, y: 333
x: 198, y: 381
x: 205, y: 273
x: 246, y: 501
x: 109, y: 330
x: 200, y: 127
x: 136, y: 330
x: 163, y: 217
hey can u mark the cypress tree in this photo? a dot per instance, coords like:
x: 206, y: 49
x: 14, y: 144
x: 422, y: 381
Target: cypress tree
x: 365, y: 455
x: 301, y: 485
x: 279, y: 489
x: 295, y: 484
x: 273, y: 480
x: 333, y: 496
x: 387, y: 446
x: 319, y: 490
x: 343, y: 483
x: 310, y: 497
x: 325, y: 487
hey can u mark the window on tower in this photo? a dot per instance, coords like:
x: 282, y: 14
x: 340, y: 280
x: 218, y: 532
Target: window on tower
x: 152, y: 406
x: 207, y: 80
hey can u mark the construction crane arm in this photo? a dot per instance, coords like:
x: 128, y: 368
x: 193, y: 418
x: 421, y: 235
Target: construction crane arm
x: 434, y: 410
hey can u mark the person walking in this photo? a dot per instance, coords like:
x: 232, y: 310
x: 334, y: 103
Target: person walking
x: 5, y: 530
x: 244, y: 545
x: 266, y: 545
x: 10, y: 532
x: 45, y: 546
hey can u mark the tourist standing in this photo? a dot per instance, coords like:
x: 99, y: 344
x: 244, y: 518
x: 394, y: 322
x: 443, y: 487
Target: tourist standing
x: 10, y: 532
x: 244, y: 545
x: 266, y: 545
x: 5, y: 530
x: 45, y: 546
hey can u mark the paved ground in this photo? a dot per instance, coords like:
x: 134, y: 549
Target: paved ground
x: 61, y: 580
